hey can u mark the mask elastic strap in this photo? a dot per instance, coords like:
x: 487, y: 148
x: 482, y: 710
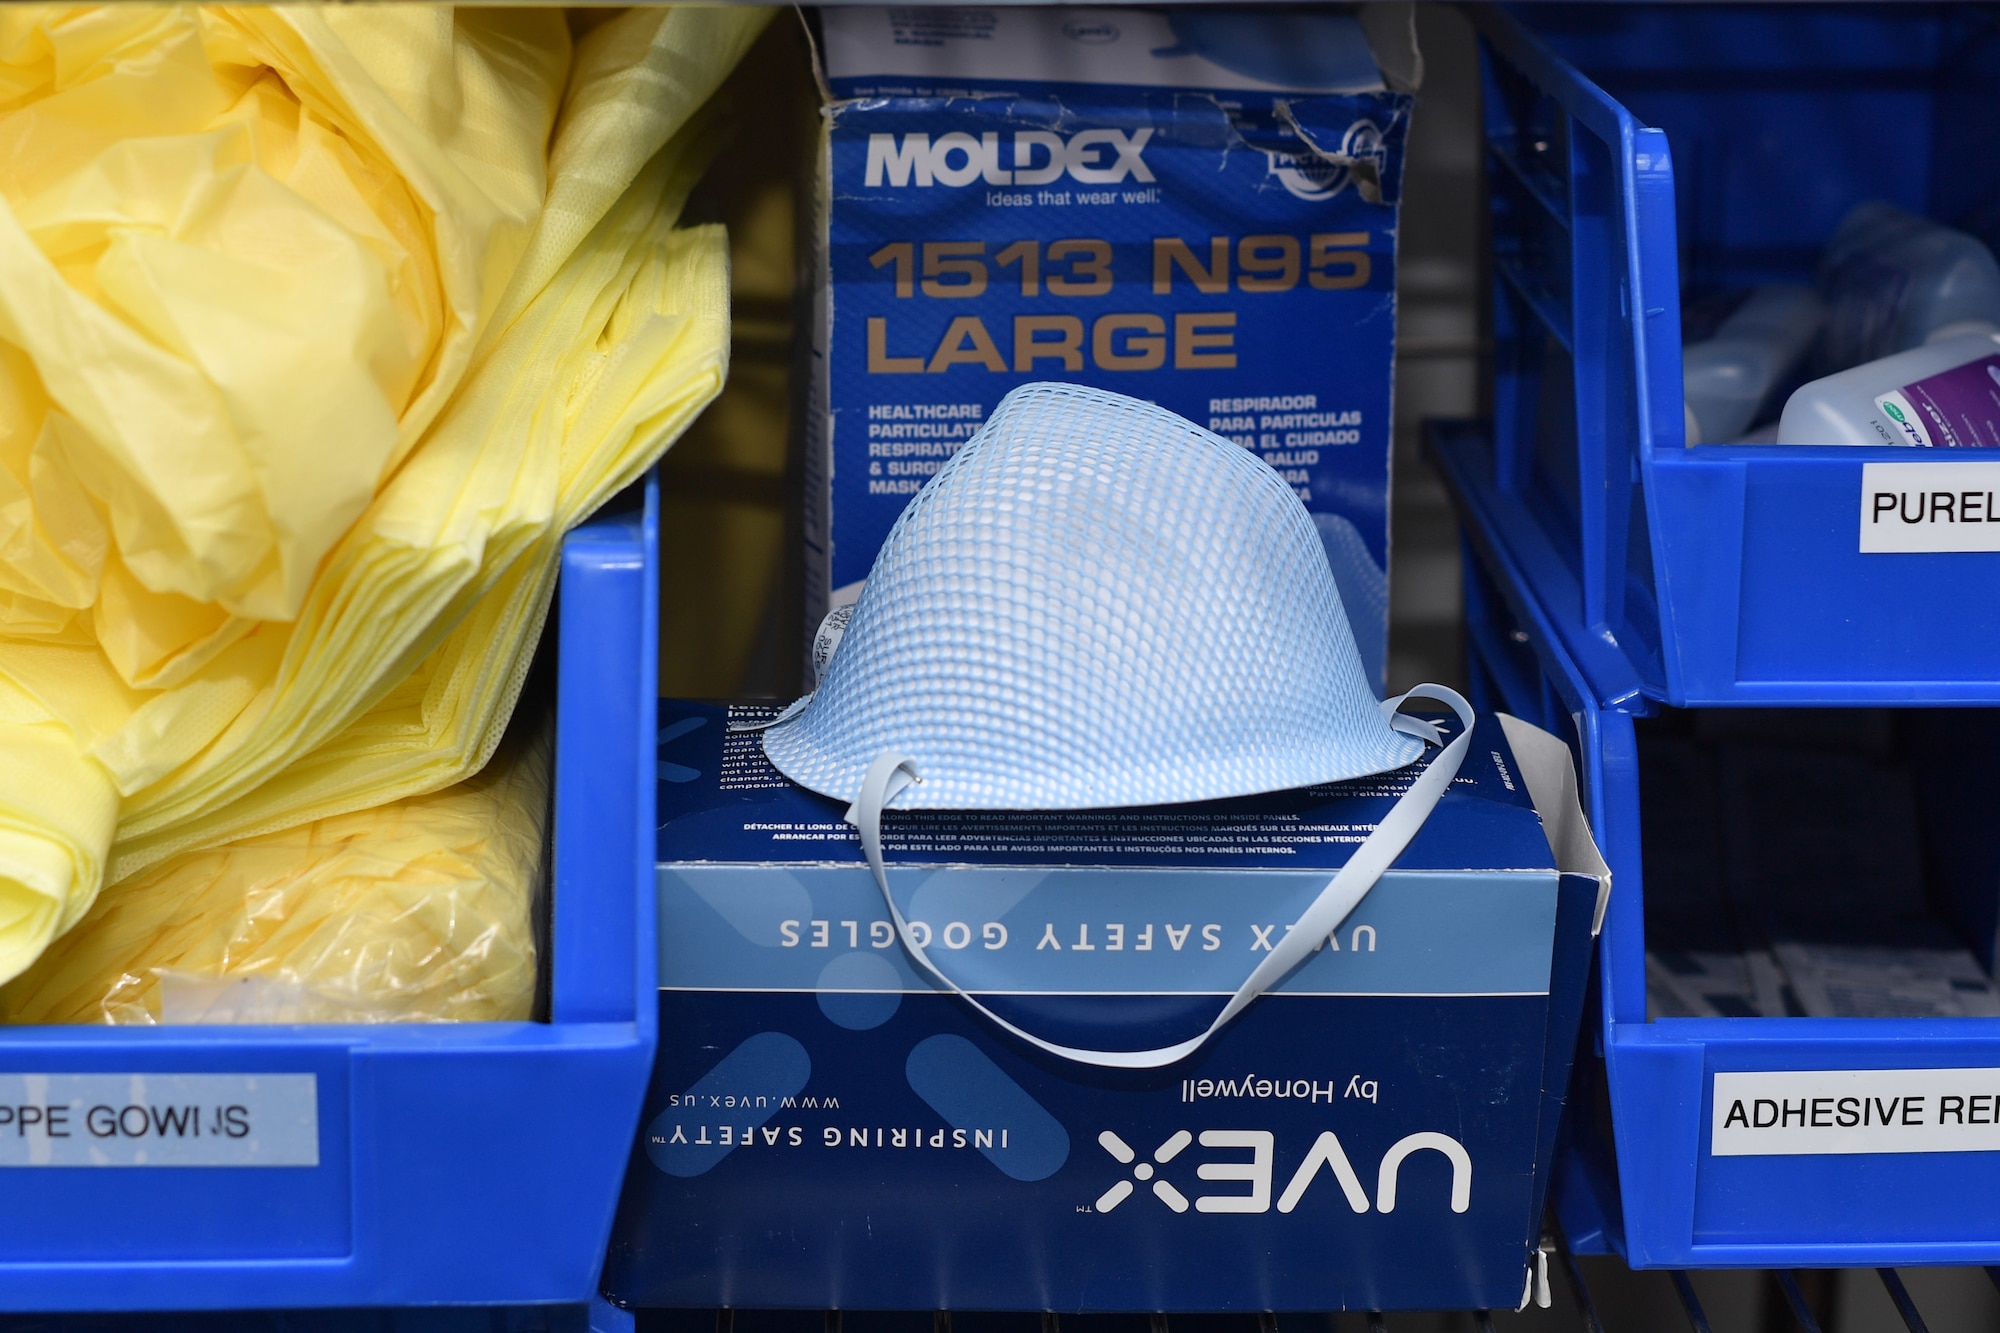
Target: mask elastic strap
x: 891, y: 773
x: 831, y: 628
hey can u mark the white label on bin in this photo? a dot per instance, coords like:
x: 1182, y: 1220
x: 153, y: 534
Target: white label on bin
x: 1856, y: 1110
x: 159, y: 1120
x: 1930, y: 506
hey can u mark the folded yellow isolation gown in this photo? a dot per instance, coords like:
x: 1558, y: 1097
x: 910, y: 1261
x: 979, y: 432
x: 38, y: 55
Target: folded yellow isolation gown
x: 421, y: 910
x: 318, y: 326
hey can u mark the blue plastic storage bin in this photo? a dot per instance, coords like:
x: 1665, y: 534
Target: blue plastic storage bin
x: 1640, y: 154
x: 597, y: 1317
x: 1663, y: 1198
x: 456, y: 1163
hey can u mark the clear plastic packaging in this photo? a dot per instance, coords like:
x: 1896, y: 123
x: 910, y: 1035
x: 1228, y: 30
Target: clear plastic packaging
x: 1728, y: 378
x: 422, y: 910
x: 1893, y: 281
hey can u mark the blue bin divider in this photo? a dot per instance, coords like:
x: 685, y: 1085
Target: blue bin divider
x: 1717, y: 147
x: 597, y: 1317
x: 1665, y: 1200
x: 469, y: 1163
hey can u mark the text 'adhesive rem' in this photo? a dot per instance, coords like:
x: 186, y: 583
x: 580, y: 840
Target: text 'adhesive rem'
x: 1797, y: 1112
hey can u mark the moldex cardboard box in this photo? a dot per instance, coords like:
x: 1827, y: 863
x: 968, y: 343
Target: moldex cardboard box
x: 824, y: 1129
x: 1192, y: 207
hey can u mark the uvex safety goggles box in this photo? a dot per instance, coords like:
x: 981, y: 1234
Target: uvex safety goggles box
x: 1188, y: 206
x: 825, y: 1128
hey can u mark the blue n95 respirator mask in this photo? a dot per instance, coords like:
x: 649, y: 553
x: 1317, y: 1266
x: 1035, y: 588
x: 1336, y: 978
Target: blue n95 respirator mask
x: 1097, y: 603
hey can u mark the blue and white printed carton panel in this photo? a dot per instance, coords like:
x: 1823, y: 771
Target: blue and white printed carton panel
x: 1189, y: 207
x: 825, y: 1129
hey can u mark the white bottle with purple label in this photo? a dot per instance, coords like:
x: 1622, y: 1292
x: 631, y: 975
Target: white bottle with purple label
x: 1943, y: 395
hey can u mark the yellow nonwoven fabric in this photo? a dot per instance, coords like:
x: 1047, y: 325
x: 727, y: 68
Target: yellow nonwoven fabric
x: 623, y: 349
x: 318, y: 327
x: 417, y: 911
x: 245, y: 257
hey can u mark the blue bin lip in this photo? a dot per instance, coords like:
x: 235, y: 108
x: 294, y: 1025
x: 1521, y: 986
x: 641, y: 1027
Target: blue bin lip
x: 603, y: 1036
x: 1598, y: 109
x: 1510, y: 537
x: 1678, y: 1058
x: 1805, y: 454
x: 1660, y: 1070
x: 1691, y: 649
